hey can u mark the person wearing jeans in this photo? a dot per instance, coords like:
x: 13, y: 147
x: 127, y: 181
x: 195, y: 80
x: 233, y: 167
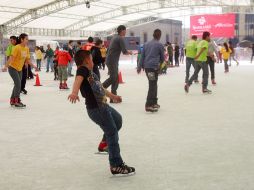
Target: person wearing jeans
x: 49, y: 55
x: 201, y: 59
x: 19, y: 56
x: 212, y: 51
x: 152, y: 76
x: 151, y: 57
x: 226, y: 52
x: 109, y: 120
x: 117, y: 45
x: 191, y: 51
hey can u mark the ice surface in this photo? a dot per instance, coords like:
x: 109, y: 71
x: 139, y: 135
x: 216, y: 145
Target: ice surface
x: 195, y: 142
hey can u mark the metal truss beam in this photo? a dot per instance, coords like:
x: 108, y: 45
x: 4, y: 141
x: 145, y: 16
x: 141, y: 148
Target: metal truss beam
x: 143, y: 7
x: 44, y: 10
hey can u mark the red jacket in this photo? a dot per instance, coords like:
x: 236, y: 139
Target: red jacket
x: 63, y: 58
x: 87, y: 46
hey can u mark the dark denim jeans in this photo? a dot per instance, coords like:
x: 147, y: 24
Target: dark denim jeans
x: 113, y: 78
x: 110, y: 122
x: 204, y: 66
x: 152, y: 76
x: 189, y: 62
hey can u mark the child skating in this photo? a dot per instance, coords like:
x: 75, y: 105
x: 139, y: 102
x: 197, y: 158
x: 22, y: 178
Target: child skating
x: 63, y: 58
x: 98, y: 110
x: 226, y: 51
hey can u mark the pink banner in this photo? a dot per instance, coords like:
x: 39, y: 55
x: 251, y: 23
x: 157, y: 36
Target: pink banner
x: 222, y: 25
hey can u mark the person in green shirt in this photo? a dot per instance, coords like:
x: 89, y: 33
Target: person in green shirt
x: 49, y: 55
x: 170, y: 54
x: 190, y: 51
x: 201, y: 59
x: 13, y: 41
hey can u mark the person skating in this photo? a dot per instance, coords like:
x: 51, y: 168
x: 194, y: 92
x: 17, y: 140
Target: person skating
x: 97, y: 58
x: 232, y: 55
x: 177, y: 54
x: 212, y: 51
x: 71, y: 52
x: 63, y: 58
x: 117, y: 46
x: 151, y: 57
x: 191, y: 52
x: 20, y: 56
x: 170, y: 54
x: 49, y: 55
x: 56, y: 76
x: 103, y: 54
x: 226, y: 51
x: 109, y: 120
x: 13, y: 41
x: 38, y: 57
x: 201, y: 59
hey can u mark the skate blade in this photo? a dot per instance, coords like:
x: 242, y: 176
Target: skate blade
x: 101, y: 153
x: 123, y: 175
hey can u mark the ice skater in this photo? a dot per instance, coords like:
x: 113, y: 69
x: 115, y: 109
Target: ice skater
x: 117, y: 46
x: 191, y: 52
x: 211, y: 59
x: 226, y: 51
x: 232, y: 55
x: 151, y: 57
x: 63, y: 58
x: 20, y: 55
x: 201, y: 59
x: 97, y: 58
x: 109, y: 120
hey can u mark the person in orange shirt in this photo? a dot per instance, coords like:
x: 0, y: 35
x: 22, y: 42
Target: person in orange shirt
x: 88, y: 46
x: 225, y: 51
x: 19, y: 56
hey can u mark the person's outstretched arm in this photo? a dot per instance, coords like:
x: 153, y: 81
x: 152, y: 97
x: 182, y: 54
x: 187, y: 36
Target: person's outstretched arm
x: 73, y: 97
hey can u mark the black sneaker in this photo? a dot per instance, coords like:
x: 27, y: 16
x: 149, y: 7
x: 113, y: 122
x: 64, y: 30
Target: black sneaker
x: 123, y: 169
x: 151, y: 109
x: 24, y: 91
x: 206, y: 91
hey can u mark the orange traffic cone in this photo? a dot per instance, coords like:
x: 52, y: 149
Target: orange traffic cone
x: 120, y: 78
x: 37, y: 82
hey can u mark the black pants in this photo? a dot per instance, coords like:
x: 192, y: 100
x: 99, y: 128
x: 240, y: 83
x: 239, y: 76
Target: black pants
x: 252, y: 57
x: 113, y: 78
x: 24, y: 77
x: 152, y: 76
x: 176, y: 60
x: 97, y: 71
x: 170, y: 60
x: 56, y: 69
x: 211, y: 62
x: 30, y: 73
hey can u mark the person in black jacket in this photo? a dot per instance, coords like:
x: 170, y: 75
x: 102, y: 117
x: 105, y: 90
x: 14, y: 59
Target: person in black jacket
x: 97, y: 58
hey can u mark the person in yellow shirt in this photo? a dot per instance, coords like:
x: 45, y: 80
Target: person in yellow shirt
x: 103, y: 54
x: 38, y: 56
x: 225, y: 51
x: 19, y: 56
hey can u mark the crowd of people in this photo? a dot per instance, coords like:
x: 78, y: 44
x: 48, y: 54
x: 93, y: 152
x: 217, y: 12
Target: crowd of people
x: 93, y: 56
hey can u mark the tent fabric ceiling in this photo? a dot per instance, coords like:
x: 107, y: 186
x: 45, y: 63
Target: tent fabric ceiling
x: 10, y: 9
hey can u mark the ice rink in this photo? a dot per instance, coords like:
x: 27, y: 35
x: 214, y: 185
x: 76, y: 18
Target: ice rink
x: 195, y: 142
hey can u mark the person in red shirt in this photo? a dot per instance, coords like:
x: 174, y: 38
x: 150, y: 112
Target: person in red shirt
x: 88, y: 46
x: 63, y: 58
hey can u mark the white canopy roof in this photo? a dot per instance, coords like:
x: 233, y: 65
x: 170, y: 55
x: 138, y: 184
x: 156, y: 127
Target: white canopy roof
x: 103, y: 15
